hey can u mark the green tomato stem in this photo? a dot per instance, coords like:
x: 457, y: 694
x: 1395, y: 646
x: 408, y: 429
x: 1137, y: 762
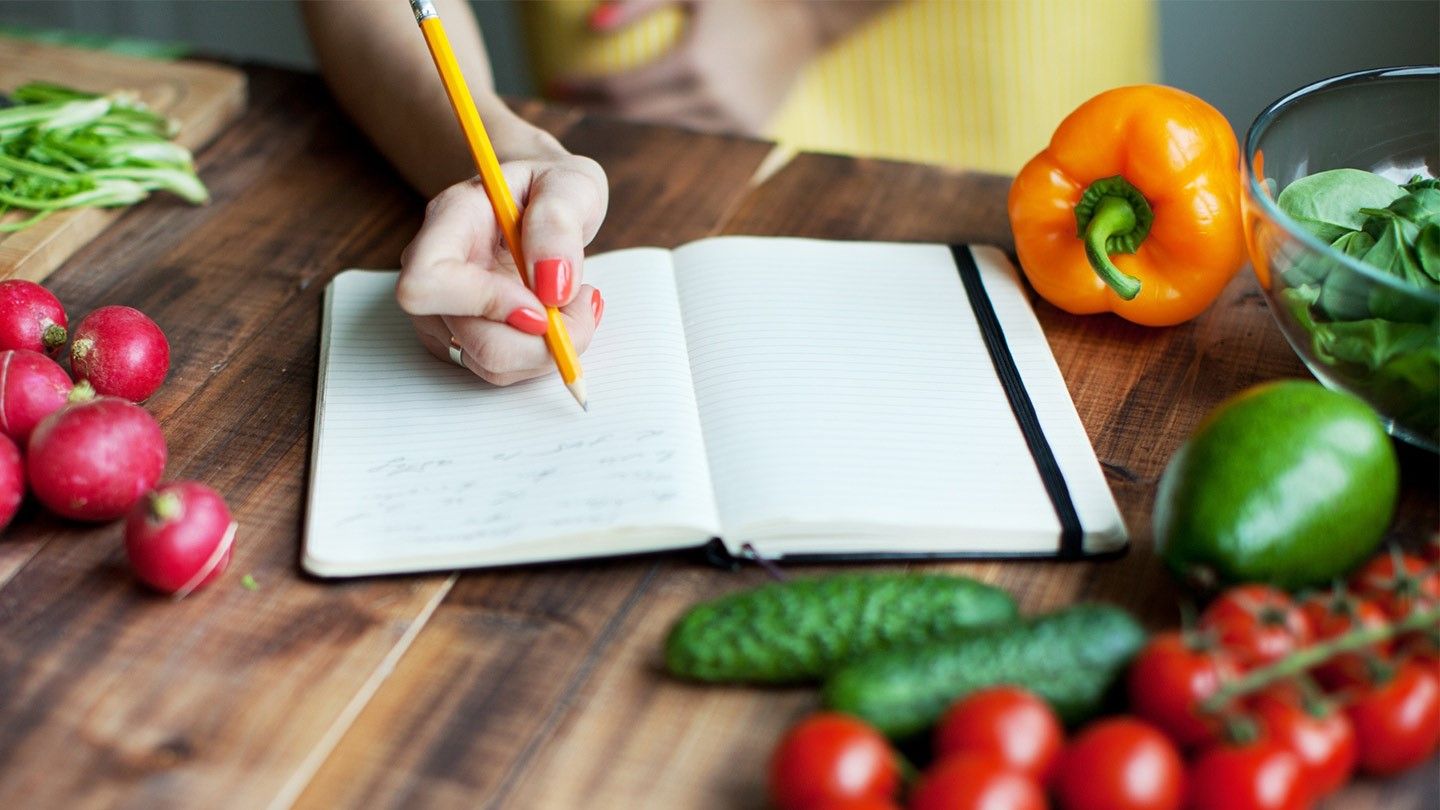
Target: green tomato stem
x: 1310, y: 657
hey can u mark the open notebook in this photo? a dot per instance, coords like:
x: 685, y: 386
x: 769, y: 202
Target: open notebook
x: 800, y: 396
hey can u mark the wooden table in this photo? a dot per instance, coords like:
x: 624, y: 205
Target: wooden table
x: 533, y: 687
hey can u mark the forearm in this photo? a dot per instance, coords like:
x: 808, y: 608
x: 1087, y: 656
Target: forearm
x: 379, y: 69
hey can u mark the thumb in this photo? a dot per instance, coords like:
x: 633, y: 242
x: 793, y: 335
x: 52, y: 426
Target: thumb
x: 610, y: 15
x: 557, y: 222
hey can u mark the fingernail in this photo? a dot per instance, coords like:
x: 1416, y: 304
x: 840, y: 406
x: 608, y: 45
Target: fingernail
x: 553, y: 281
x: 597, y: 305
x: 528, y: 321
x: 604, y: 17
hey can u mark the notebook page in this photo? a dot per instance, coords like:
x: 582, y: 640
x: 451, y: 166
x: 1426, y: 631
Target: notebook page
x: 1094, y: 502
x: 420, y: 465
x: 845, y: 388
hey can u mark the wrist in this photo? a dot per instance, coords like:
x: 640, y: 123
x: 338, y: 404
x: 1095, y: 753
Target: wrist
x: 513, y: 137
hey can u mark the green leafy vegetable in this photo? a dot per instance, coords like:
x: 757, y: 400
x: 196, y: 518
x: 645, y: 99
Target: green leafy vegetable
x: 1427, y: 251
x: 1328, y: 203
x: 1378, y: 337
x: 64, y: 148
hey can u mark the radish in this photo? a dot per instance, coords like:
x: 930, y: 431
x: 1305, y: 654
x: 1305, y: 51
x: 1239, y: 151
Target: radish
x: 179, y: 537
x: 94, y: 458
x: 31, y: 317
x: 12, y: 481
x: 121, y: 352
x: 32, y: 386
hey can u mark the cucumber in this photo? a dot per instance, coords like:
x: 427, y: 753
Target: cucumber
x: 1070, y: 659
x: 796, y: 631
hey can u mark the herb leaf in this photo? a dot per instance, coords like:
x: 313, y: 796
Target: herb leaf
x: 1328, y: 203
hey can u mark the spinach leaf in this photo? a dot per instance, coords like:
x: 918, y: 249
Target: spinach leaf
x: 1328, y: 203
x: 1345, y: 295
x: 1420, y: 181
x: 1393, y: 255
x: 1427, y: 252
x: 1374, y: 342
x: 1407, y: 387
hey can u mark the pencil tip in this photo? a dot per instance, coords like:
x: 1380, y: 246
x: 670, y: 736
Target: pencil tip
x: 577, y: 390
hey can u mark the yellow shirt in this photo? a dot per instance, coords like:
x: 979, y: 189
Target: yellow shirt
x: 977, y: 84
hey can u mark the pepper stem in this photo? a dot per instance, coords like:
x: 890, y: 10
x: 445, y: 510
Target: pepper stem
x: 1113, y: 217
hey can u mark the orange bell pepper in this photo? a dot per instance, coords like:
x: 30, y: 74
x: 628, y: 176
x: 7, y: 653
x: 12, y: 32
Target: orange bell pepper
x: 1134, y: 208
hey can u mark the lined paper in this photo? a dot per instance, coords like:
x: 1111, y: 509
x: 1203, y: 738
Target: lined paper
x: 418, y: 464
x: 844, y: 388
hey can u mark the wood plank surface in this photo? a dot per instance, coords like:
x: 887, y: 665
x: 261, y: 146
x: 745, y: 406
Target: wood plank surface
x: 488, y: 708
x: 625, y: 736
x: 223, y: 699
x: 202, y: 97
x: 532, y: 687
x: 638, y: 739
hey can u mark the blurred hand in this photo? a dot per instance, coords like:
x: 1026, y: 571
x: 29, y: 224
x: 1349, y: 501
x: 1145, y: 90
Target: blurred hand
x: 729, y: 73
x: 457, y: 277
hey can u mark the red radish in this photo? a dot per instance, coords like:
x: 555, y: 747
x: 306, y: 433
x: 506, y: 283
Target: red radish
x: 12, y: 481
x: 31, y: 317
x: 32, y: 386
x: 179, y: 537
x: 94, y: 458
x: 121, y: 352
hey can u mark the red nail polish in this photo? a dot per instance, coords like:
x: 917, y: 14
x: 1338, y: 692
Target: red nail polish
x: 604, y: 17
x: 528, y: 321
x: 553, y: 281
x: 597, y: 305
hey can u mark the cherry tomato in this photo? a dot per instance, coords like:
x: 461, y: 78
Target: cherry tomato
x: 1397, y: 721
x: 1431, y: 552
x: 1120, y: 763
x: 1322, y: 737
x: 1335, y: 614
x: 1260, y: 775
x: 1399, y: 583
x: 856, y: 804
x: 1168, y: 681
x: 1258, y: 624
x: 1423, y: 648
x: 1008, y: 722
x: 828, y: 757
x: 975, y: 780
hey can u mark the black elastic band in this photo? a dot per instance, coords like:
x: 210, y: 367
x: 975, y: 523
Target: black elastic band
x: 1072, y: 535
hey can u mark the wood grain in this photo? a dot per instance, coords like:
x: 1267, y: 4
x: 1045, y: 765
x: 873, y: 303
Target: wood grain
x: 489, y: 708
x: 633, y: 738
x: 535, y: 687
x: 221, y: 699
x: 203, y: 98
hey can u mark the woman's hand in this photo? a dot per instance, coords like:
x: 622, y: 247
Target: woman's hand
x: 731, y: 70
x: 457, y: 277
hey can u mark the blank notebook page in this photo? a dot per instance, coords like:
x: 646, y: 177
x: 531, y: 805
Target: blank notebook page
x: 419, y: 464
x: 844, y: 388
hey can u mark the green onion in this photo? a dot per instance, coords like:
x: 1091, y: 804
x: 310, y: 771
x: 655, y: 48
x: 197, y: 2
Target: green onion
x: 64, y: 148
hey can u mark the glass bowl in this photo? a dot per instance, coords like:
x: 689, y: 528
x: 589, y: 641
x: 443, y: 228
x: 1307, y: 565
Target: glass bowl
x: 1359, y: 329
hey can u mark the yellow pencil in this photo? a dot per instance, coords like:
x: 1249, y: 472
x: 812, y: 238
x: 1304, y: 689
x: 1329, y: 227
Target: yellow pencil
x: 556, y: 336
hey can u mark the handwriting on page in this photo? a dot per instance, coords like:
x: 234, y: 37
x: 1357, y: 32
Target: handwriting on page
x: 636, y: 465
x: 417, y: 456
